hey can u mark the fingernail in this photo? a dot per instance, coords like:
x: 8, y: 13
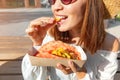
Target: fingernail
x: 71, y: 62
x: 36, y: 29
x: 59, y: 66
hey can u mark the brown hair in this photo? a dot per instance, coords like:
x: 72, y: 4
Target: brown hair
x: 92, y: 32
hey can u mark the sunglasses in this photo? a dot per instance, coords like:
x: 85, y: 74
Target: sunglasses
x: 65, y: 2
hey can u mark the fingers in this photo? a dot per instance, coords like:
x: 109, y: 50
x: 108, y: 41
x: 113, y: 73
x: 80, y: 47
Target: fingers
x: 42, y: 22
x: 80, y: 72
x: 40, y: 25
x: 38, y: 29
x: 64, y: 69
x: 74, y: 67
x: 30, y: 31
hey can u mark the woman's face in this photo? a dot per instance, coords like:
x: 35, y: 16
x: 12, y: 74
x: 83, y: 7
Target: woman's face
x: 71, y: 14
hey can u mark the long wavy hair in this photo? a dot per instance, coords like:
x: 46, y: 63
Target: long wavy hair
x: 92, y: 32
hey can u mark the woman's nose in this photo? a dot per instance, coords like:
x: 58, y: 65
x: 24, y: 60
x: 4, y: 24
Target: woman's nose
x: 58, y: 5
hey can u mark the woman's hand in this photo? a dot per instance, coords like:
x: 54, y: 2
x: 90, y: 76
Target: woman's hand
x: 38, y: 29
x: 73, y: 68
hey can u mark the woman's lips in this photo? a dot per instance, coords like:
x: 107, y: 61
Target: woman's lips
x: 60, y: 19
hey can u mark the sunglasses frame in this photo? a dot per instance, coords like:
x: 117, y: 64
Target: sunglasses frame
x: 52, y: 2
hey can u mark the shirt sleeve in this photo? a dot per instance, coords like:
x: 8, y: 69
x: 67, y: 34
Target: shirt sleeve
x: 30, y: 72
x: 108, y: 68
x: 104, y: 66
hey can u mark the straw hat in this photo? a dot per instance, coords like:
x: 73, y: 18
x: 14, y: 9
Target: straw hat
x: 112, y: 8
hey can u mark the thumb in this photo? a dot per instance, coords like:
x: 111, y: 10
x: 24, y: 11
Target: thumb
x: 80, y: 72
x: 74, y: 67
x: 51, y: 24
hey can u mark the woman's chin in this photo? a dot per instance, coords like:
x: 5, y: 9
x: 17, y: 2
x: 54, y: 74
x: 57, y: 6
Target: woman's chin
x: 62, y: 29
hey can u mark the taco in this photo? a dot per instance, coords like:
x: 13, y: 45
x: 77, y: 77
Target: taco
x: 58, y: 50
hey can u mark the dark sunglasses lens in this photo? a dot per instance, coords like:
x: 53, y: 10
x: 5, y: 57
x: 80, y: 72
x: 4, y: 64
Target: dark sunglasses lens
x: 66, y: 1
x: 51, y: 2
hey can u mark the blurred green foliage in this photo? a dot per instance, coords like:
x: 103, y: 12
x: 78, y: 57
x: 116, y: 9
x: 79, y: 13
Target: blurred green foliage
x: 117, y: 17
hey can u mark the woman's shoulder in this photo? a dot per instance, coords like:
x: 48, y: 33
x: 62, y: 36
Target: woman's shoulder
x: 111, y: 43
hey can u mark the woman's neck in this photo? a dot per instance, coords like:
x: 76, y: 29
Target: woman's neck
x: 74, y: 33
x: 75, y: 36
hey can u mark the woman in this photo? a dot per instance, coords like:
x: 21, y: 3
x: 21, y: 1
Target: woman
x: 81, y: 23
